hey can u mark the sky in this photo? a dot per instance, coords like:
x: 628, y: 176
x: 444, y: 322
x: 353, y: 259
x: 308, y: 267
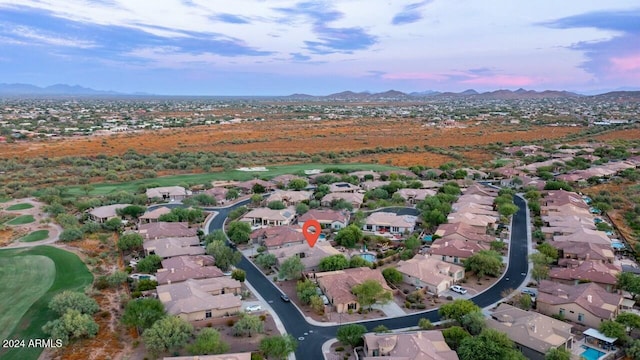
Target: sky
x: 281, y: 47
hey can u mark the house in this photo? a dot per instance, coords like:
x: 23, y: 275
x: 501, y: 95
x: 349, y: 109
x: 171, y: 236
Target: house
x: 103, y: 213
x: 597, y: 272
x: 168, y: 193
x: 191, y: 301
x: 218, y: 193
x: 288, y: 197
x: 365, y: 175
x: 563, y: 197
x: 418, y: 345
x: 474, y: 209
x: 463, y: 231
x: 413, y: 196
x: 310, y: 256
x: 336, y: 285
x: 247, y: 186
x: 455, y: 251
x: 430, y: 272
x: 355, y: 199
x: 162, y: 229
x: 181, y: 268
x: 534, y: 334
x: 585, y: 235
x: 154, y: 215
x: 400, y: 173
x: 584, y: 251
x: 374, y: 184
x: 170, y: 247
x: 587, y: 304
x: 328, y: 219
x: 485, y: 221
x: 233, y: 356
x: 384, y: 222
x: 278, y: 236
x: 343, y: 187
x: 269, y: 217
x: 284, y: 179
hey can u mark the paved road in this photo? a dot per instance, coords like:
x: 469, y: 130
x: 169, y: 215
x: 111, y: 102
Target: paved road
x: 311, y: 337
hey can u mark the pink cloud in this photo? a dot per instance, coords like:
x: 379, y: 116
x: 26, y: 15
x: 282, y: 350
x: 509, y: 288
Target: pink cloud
x: 501, y: 80
x: 628, y: 63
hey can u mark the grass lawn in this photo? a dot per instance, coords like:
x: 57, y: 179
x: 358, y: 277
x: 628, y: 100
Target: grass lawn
x: 21, y: 206
x: 132, y: 186
x: 21, y: 220
x: 47, y: 271
x: 36, y: 236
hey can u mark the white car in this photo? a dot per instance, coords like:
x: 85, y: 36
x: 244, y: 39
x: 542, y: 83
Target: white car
x: 459, y: 289
x: 252, y: 308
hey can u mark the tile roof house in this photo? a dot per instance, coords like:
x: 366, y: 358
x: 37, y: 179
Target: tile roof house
x: 413, y: 196
x: 171, y: 247
x: 463, y: 231
x: 534, y: 334
x: 168, y: 193
x: 361, y: 175
x: 278, y: 236
x: 284, y: 179
x: 269, y: 217
x: 104, y: 213
x: 310, y: 256
x: 384, y: 222
x: 430, y: 272
x: 218, y: 193
x: 430, y: 184
x: 401, y: 173
x: 584, y: 251
x: 336, y: 285
x: 247, y: 186
x: 418, y: 345
x: 585, y: 235
x: 374, y: 184
x: 153, y: 215
x: 473, y: 219
x: 342, y: 187
x: 587, y: 303
x: 289, y: 197
x: 454, y: 251
x: 192, y: 301
x: 563, y: 197
x: 228, y: 356
x: 162, y: 229
x: 354, y: 199
x: 328, y: 219
x: 597, y: 272
x: 181, y: 268
x: 474, y: 209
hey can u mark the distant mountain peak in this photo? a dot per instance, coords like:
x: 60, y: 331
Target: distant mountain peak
x: 56, y: 89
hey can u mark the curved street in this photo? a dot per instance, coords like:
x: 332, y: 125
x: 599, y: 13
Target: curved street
x: 311, y: 337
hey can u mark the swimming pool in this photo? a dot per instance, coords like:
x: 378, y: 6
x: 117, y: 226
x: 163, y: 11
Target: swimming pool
x: 322, y: 237
x: 591, y: 353
x: 369, y: 257
x: 427, y: 238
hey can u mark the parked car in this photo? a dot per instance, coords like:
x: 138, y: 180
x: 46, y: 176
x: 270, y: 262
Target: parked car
x: 459, y: 289
x: 284, y: 298
x: 252, y: 308
x: 529, y: 292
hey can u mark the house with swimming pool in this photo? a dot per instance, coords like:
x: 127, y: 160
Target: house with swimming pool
x: 384, y: 222
x: 429, y: 272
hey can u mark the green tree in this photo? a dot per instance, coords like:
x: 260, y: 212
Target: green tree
x: 276, y: 205
x: 497, y: 245
x: 629, y: 282
x: 305, y: 290
x: 70, y: 326
x: 129, y: 242
x: 425, y: 324
x: 298, y: 184
x: 392, y: 275
x: 239, y: 232
x: 629, y: 319
x: 71, y: 234
x: 217, y: 234
x: 457, y: 309
x: 208, y: 342
x: 381, y: 329
x: 474, y: 322
x: 484, y: 262
x: 168, y: 333
x: 265, y: 260
x: 73, y: 300
x: 358, y: 261
x: 633, y: 350
x: 200, y: 200
x: 613, y: 329
x: 525, y: 302
x: 258, y: 189
x: 454, y: 336
x: 278, y: 347
x: 143, y: 313
x: 149, y: 264
x: 316, y: 303
x: 232, y: 194
x: 351, y: 334
x: 248, y: 325
x: 370, y: 292
x: 489, y: 345
x: 131, y: 211
x: 333, y: 262
x: 302, y: 208
x: 349, y: 236
x: 113, y: 224
x: 256, y: 199
x: 412, y: 243
x: 117, y: 278
x: 548, y: 250
x: 558, y: 354
x: 239, y: 274
x: 225, y: 256
x: 291, y: 268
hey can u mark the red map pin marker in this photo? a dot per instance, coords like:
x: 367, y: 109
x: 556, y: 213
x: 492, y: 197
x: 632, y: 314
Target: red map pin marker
x: 311, y: 237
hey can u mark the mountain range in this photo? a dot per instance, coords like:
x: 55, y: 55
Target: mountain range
x: 76, y: 90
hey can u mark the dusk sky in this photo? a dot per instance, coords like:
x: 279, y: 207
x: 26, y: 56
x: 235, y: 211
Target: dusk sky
x: 278, y: 47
